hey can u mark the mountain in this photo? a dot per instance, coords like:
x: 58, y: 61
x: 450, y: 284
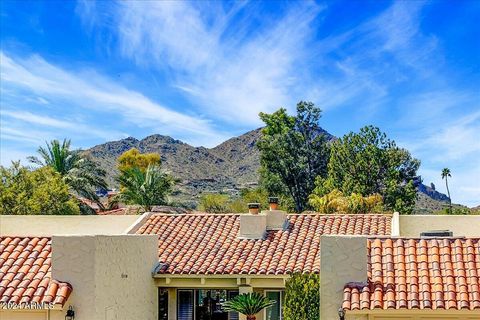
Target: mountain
x: 228, y: 167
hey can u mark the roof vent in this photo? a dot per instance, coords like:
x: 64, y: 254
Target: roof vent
x: 437, y: 233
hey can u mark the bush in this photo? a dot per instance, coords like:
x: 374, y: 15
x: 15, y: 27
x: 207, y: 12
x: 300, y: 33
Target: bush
x: 302, y: 297
x: 336, y: 201
x: 214, y: 203
x: 222, y: 203
x: 458, y: 211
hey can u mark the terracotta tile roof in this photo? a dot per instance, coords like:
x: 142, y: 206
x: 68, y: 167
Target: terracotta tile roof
x: 25, y: 272
x: 209, y: 244
x: 419, y: 274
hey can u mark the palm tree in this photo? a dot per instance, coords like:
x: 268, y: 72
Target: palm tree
x: 248, y: 304
x: 445, y: 175
x: 145, y: 188
x: 81, y: 174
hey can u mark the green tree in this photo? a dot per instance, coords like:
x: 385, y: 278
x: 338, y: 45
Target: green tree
x: 248, y: 304
x: 369, y: 163
x: 445, y: 175
x: 145, y: 188
x: 38, y: 192
x: 133, y: 158
x: 293, y: 152
x: 81, y: 174
x: 302, y: 297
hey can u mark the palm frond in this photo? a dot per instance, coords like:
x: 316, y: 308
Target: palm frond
x: 248, y: 304
x: 145, y: 188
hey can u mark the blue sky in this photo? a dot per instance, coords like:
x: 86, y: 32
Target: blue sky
x: 202, y: 71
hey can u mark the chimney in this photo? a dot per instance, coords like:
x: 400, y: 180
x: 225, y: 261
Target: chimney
x: 276, y: 219
x: 252, y: 224
x: 273, y: 202
x: 253, y: 208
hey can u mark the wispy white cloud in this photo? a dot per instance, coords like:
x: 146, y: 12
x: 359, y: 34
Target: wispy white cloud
x: 229, y: 71
x: 49, y: 123
x: 88, y: 90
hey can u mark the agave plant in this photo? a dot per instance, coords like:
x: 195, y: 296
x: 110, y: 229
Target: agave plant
x: 248, y: 304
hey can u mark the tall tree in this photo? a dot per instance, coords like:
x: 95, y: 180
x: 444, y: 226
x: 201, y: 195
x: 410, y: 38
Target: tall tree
x: 445, y: 175
x: 369, y: 163
x: 293, y: 152
x: 302, y: 297
x: 145, y: 188
x: 81, y: 174
x: 37, y: 192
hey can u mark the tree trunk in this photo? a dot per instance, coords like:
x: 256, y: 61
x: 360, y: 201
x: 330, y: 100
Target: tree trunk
x: 448, y: 191
x: 251, y: 318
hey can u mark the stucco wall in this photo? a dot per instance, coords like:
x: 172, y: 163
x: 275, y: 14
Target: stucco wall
x: 62, y: 225
x: 32, y: 315
x: 111, y: 275
x: 355, y: 317
x: 412, y: 226
x: 343, y: 259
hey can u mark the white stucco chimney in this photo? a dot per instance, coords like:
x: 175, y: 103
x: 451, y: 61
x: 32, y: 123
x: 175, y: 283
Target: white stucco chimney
x: 276, y: 219
x: 253, y: 225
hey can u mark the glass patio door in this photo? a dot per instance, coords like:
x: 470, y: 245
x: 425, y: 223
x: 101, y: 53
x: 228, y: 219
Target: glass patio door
x: 204, y: 304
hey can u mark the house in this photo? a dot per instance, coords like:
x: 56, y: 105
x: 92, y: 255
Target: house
x: 182, y: 266
x: 205, y: 259
x: 417, y: 277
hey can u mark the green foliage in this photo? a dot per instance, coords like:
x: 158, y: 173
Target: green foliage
x: 293, y: 153
x: 458, y: 211
x: 145, y: 188
x: 336, y: 201
x: 222, y: 203
x: 133, y: 158
x: 38, y: 192
x: 81, y: 174
x: 214, y: 203
x: 248, y: 304
x: 368, y: 163
x: 302, y: 297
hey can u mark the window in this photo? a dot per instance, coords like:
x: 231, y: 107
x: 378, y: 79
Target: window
x: 274, y: 312
x: 162, y: 304
x: 204, y: 304
x: 232, y: 315
x: 185, y: 305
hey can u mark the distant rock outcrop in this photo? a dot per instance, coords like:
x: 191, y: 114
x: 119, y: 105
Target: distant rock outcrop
x: 432, y: 193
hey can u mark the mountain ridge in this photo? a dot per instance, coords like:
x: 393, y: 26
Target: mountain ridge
x: 228, y: 167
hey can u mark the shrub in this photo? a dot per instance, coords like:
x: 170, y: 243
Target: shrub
x: 336, y: 201
x: 302, y: 297
x: 214, y: 203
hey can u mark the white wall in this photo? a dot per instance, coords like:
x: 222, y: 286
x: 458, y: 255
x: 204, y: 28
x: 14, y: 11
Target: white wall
x: 62, y: 225
x: 343, y: 259
x: 111, y: 276
x: 413, y: 225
